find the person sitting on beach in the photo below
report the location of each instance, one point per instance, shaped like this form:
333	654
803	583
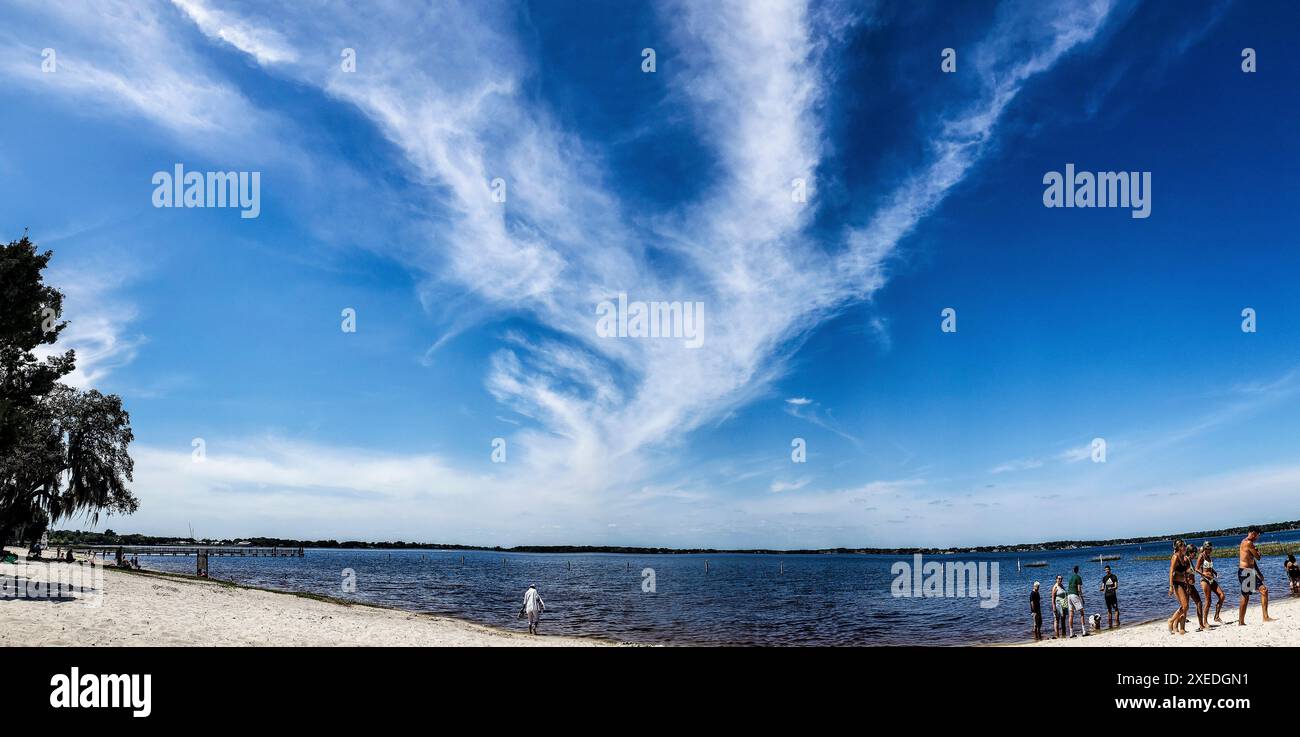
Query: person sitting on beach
1035	608
1249	577
1059	607
1293	573
533	608
1209	579
1110	587
1075	589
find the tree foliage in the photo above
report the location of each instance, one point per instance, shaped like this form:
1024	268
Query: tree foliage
63	451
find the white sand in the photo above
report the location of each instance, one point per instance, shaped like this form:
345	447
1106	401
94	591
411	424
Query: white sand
1284	632
140	609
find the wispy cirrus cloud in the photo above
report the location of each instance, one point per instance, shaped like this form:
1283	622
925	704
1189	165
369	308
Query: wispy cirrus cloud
101	318
753	80
264	43
810	411
1026	40
1021	465
1075	454
779	486
125	59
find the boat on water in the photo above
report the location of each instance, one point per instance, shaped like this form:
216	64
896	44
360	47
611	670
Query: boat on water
1037	564
1102	558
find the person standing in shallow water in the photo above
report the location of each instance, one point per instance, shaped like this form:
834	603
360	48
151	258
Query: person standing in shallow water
1110	587
1292	572
1075	591
533	608
1059	607
1036	609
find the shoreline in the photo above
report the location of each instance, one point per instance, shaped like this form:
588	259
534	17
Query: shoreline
156	608
164	608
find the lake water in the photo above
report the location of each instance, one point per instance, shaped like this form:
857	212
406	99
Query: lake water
740	600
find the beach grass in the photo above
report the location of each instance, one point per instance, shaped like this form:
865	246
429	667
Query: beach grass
1226	552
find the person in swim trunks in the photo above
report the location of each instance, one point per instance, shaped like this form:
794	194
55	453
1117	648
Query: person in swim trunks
1075	590
1209	580
1293	573
1249	577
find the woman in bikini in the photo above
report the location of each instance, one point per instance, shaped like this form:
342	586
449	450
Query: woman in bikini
1202	612
1209	580
1178	587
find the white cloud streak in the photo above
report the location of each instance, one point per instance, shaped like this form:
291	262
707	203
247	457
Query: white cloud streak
754	83
449	93
125	58
99	320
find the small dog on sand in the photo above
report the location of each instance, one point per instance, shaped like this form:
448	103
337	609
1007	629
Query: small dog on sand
1096	622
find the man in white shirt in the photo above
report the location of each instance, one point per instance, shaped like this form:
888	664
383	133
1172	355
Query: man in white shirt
533	607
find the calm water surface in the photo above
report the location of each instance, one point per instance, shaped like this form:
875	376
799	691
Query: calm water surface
741	600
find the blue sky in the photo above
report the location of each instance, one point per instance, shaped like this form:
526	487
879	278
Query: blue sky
476	319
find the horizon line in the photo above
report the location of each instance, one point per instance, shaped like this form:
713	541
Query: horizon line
1265	528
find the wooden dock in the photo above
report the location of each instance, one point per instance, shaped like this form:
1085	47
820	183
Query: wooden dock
210	550
122	554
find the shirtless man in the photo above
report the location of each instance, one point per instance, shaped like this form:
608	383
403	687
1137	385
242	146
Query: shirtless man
1249	577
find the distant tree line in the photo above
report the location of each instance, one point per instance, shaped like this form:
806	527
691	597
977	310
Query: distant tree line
108	537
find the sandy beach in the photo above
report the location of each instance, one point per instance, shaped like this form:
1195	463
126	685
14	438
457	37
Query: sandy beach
1284	632
144	609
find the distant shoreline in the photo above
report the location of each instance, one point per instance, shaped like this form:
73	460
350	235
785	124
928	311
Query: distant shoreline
65	538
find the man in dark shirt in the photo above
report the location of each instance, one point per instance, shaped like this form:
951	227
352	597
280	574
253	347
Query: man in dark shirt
1110	587
1035	608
